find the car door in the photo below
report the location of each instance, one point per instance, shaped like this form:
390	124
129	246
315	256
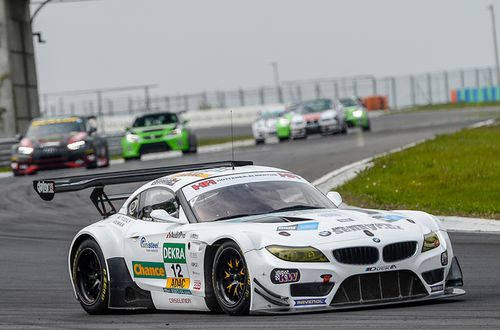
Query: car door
145	240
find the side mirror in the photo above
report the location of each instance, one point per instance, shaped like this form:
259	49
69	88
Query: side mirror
184	121
92	129
163	216
19	136
335	198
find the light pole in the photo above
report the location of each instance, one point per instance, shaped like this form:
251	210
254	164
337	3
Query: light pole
274	64
495	45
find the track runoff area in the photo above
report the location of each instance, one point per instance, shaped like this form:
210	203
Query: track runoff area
36	287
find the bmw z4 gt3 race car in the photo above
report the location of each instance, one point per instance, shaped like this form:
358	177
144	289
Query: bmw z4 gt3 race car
238	238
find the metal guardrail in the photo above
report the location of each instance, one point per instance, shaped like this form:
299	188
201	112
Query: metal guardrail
6	145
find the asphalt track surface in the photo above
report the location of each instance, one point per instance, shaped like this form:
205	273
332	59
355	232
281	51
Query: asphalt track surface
35	235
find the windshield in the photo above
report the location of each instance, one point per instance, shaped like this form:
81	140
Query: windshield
158	119
272	114
254	198
348	102
314	106
54	127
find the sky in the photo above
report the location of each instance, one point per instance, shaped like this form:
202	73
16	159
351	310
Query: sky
196	45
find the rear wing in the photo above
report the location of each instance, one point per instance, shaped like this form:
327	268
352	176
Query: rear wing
47	188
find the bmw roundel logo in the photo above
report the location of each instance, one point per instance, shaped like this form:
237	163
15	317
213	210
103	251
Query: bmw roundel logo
376	240
325	233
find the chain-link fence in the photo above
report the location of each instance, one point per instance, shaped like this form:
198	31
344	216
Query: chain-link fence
402	91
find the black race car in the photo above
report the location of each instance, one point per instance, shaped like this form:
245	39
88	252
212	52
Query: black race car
59	142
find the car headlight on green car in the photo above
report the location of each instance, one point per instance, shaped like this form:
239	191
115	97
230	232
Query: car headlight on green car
431	241
297	253
357	113
176	131
131	138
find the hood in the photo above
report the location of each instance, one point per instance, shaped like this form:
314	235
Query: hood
317	227
153	129
351	109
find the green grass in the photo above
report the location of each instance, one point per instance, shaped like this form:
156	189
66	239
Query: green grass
454	174
5	169
450	106
217	140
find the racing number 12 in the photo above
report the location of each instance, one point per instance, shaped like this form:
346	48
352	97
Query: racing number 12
177	270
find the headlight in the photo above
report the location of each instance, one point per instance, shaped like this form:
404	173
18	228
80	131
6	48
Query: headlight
431	241
176	131
76	145
297	121
284	122
297	254
357	113
25	150
131	137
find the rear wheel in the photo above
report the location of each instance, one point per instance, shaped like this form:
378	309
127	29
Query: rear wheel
231	280
90	278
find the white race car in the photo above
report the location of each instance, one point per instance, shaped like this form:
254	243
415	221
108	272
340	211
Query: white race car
233	237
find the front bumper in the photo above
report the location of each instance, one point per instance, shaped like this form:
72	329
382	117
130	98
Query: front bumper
330	126
51	158
340	286
157	144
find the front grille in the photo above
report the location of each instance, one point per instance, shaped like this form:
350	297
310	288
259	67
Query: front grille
313	289
154	147
379	287
360	255
399	251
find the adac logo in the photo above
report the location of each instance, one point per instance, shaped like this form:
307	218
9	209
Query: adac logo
178	283
149	245
148	270
174	253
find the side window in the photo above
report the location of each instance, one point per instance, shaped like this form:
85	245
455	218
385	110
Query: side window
157	198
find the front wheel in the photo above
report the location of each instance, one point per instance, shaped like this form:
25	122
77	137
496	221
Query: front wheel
90	277
231	280
193	145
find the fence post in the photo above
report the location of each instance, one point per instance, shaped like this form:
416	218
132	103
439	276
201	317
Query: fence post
355	87
261	95
490	77
146	98
242	97
462	78
167	103
130	105
413	94
186	103
446	87
318	91
299	93
46	104
110	107
336	88
429	88
61	106
99	111
476	76
72	109
395	102
374	86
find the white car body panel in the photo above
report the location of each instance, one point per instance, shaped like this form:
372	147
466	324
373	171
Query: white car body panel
177	247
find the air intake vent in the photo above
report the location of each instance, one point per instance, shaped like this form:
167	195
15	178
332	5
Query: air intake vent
360	255
381	287
399	251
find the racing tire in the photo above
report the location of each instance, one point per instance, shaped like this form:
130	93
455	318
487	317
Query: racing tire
283	139
231	280
90	277
16	173
367	127
106	156
92	164
260	141
343	130
193	145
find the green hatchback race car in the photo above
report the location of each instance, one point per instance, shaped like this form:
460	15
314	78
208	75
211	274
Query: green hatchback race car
157	132
355	114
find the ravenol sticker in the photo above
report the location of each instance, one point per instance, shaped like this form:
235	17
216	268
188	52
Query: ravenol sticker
310	302
176	291
302	226
174	253
148	270
178	283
